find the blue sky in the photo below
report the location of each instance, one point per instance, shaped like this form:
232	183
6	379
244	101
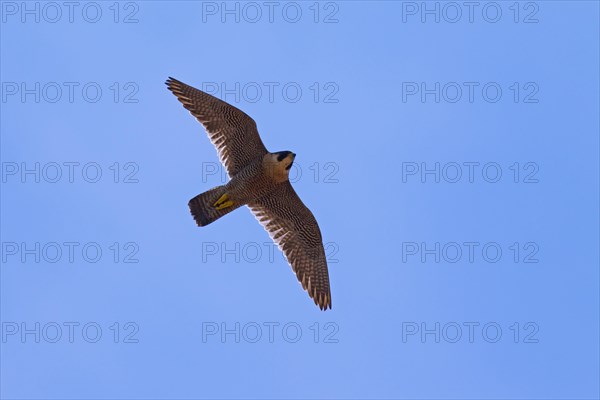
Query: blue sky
449	153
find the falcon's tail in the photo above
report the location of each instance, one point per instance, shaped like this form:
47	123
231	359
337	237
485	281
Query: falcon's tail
211	205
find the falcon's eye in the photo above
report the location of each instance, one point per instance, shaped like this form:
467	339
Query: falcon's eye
281	155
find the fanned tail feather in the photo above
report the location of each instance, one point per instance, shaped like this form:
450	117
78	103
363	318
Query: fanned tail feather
202	209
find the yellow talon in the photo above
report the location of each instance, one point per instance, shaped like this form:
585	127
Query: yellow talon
223	202
225	205
222	199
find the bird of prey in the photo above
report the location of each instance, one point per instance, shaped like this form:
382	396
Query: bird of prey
259	180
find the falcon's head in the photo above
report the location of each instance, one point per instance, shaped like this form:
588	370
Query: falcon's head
278	164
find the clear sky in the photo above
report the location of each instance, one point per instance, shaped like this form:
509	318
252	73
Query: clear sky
449	152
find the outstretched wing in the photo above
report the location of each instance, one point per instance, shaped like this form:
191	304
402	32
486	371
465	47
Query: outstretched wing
294	229
230	130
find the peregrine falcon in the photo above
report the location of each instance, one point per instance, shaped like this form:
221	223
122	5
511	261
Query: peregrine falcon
259	180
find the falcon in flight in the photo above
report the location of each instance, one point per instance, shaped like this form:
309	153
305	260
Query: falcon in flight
259	179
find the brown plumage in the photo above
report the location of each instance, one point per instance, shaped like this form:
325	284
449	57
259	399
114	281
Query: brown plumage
259	179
